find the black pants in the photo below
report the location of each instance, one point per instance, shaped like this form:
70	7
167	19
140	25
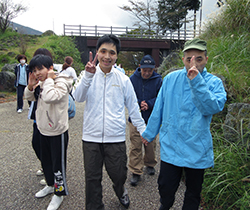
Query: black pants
113	155
53	159
36	141
20	91
168	183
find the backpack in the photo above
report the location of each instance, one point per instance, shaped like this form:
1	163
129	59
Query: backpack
72	107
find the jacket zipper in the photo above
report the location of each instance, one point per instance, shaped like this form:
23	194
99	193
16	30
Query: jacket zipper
104	107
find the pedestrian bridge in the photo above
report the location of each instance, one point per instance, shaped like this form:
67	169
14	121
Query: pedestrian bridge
132	39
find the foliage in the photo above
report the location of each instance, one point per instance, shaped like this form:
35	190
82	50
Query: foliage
227	35
172	62
145	13
62	46
227	185
130	60
9	11
232	18
170	14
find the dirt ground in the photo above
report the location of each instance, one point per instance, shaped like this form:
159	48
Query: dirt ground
7	97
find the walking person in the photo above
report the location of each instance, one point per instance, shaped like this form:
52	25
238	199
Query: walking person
182	115
106	91
22	75
52	122
147	84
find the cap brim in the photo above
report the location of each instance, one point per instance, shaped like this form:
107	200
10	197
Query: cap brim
147	66
195	47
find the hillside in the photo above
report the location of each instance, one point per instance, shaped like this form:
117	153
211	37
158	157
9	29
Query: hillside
24	29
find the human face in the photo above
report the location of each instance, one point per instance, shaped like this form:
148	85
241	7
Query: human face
107	56
146	73
41	74
200	59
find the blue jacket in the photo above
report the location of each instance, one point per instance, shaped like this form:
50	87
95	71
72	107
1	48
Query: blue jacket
182	114
146	90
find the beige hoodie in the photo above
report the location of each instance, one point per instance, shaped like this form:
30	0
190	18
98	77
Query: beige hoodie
52	105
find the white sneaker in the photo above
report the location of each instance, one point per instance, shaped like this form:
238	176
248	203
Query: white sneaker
43	182
19	111
39	172
55	202
45	191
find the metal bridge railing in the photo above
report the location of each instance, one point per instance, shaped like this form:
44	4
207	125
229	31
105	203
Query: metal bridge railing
97	31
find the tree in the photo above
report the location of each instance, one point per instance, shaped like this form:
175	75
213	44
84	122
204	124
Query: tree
170	14
9	11
193	5
145	14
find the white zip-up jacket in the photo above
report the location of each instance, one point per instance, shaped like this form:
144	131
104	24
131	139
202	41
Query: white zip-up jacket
106	96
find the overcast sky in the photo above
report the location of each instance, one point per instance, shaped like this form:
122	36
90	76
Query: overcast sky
52	14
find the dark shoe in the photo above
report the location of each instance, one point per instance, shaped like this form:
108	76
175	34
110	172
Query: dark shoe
124	200
150	170
135	179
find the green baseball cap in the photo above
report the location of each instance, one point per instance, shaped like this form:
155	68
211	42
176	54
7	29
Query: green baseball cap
195	43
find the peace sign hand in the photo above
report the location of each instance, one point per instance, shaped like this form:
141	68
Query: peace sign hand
91	65
193	71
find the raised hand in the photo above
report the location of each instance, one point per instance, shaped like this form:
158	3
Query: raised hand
193	71
51	74
91	65
32	81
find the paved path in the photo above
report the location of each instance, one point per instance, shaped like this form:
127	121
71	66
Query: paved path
19	183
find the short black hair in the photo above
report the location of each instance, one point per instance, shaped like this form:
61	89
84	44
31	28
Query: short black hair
43	51
40	61
109	38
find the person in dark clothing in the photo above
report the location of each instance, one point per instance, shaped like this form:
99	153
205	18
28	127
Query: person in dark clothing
147	84
22	76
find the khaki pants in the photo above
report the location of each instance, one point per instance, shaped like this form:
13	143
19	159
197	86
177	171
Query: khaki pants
136	161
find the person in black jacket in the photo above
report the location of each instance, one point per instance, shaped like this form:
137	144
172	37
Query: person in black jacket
22	76
147	84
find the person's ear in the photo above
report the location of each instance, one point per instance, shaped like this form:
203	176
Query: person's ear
51	68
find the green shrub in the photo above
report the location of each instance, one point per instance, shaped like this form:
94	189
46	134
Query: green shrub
62	46
227	185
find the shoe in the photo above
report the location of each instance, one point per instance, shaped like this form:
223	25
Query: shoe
124	200
39	172
135	179
19	111
150	170
43	182
55	202
45	191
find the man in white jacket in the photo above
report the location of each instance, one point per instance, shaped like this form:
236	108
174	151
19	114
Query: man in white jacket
106	91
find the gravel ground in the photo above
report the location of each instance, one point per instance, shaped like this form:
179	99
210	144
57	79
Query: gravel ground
19	183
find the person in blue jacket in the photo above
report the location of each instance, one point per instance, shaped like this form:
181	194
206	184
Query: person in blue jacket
182	115
147	84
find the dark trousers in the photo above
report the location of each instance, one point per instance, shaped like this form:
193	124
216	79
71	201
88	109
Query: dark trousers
113	156
53	159
20	91
168	183
36	141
